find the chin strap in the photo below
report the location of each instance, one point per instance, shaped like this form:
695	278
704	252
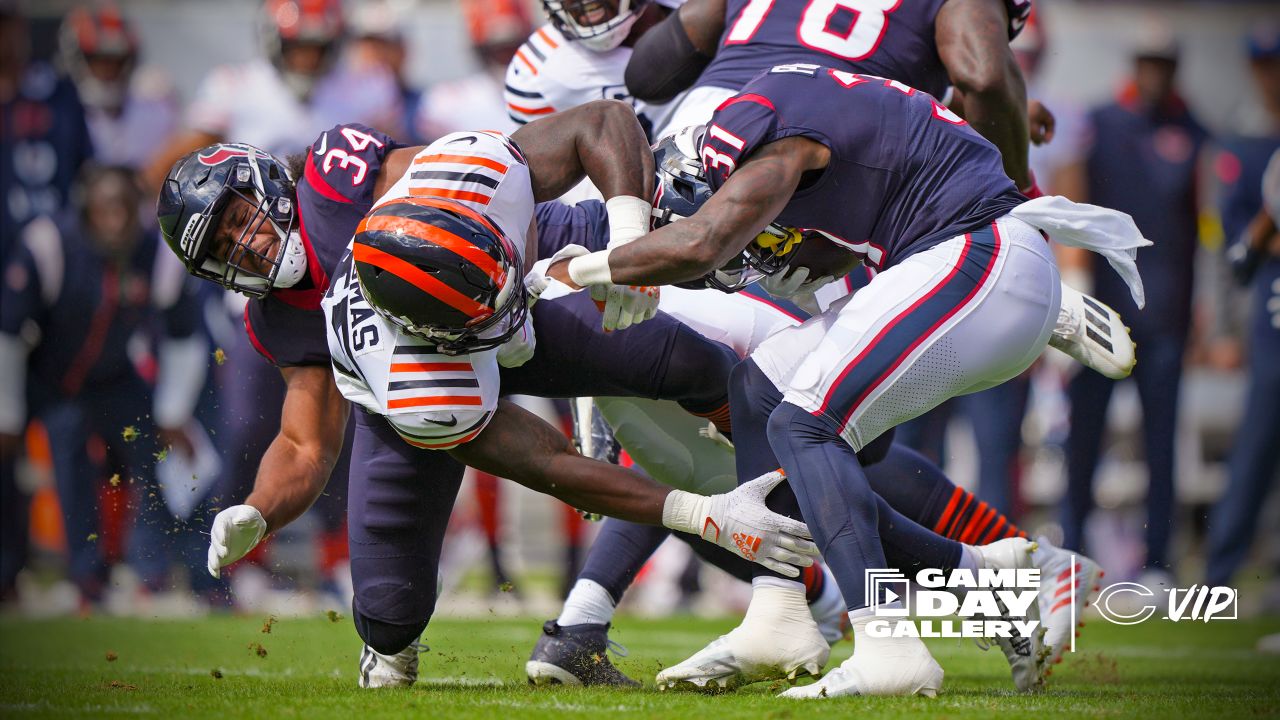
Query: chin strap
293	263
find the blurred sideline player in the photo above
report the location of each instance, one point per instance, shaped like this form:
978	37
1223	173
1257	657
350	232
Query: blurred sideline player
77	288
297	88
845	372
956	49
288	269
495	28
378	38
131	111
1249	166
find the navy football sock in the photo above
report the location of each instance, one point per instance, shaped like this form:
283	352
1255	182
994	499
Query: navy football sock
854	528
618	553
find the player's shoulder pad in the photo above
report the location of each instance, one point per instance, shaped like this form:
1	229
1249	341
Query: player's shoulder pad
525	91
344	161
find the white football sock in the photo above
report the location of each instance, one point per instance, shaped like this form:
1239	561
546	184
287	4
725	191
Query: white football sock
588	603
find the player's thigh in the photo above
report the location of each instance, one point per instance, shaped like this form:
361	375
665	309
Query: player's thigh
666	442
575	357
398	506
963	316
738	320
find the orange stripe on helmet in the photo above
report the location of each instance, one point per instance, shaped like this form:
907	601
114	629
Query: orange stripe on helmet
462	159
421	280
450	206
438	236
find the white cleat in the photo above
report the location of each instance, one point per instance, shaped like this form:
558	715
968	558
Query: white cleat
1094	335
777	639
883	666
1056	598
390	671
1027	654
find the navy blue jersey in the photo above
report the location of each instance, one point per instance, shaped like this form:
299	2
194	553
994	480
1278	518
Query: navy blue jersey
334	194
1145	163
890	38
905	172
43	142
585	224
86	307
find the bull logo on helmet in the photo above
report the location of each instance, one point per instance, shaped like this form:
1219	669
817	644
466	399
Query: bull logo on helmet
222	154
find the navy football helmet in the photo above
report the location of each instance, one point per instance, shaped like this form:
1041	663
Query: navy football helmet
681	189
442	272
201	187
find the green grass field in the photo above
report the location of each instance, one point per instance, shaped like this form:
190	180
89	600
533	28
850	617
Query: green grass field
228	667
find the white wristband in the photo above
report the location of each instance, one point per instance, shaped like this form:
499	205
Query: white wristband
628	218
592	269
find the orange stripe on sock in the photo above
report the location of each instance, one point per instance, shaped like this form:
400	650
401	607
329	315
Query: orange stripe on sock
946	514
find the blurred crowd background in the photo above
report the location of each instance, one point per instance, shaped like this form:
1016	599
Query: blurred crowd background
133	407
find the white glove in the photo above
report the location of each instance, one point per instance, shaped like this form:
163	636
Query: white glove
739	522
519	349
795	285
538	284
626	305
236	531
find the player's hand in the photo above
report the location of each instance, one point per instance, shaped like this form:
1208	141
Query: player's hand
795	285
1040	122
519	349
538	281
626	305
236	531
739	522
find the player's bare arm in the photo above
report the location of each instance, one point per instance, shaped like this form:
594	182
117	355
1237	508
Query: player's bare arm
749	200
973	42
668	59
521	446
296	466
601	140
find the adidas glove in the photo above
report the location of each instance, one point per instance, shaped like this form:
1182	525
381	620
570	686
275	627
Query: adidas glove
739	522
236	531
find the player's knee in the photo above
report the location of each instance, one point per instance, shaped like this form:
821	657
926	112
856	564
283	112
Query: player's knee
384	637
790	424
877	449
698	372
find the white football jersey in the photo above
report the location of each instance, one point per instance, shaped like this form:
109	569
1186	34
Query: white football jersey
432	400
550	73
250	103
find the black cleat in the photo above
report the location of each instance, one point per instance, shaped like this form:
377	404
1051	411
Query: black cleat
575	655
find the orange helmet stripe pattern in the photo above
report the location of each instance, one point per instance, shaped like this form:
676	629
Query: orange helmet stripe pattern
430	233
421	280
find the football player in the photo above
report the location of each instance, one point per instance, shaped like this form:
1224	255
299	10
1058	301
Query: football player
953	49
235	217
965	297
580	56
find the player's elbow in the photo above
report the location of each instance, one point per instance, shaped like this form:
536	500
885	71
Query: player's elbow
989	81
